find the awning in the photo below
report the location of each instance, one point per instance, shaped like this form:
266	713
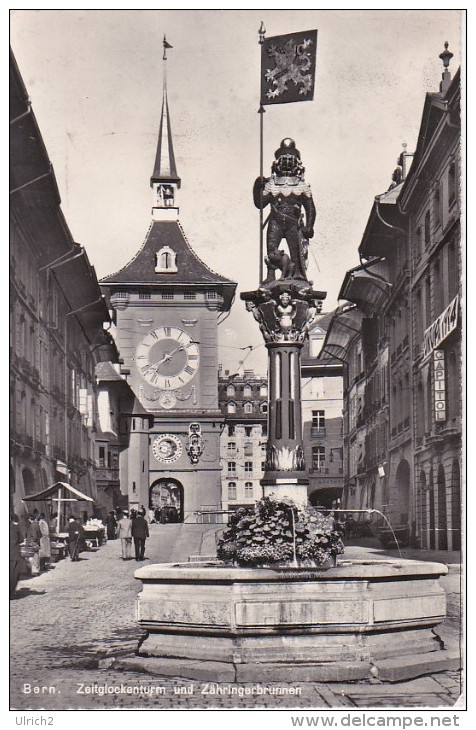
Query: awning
365	290
344	327
74	495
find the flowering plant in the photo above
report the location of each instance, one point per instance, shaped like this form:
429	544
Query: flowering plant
277	531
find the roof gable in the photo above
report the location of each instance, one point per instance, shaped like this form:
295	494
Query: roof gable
141	269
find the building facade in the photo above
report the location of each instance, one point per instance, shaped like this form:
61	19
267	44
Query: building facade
322	416
399	336
167	304
56	325
243	402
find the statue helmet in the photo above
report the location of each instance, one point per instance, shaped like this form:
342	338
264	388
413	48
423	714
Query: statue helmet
287	159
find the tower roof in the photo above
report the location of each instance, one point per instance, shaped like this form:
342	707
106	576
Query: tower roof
165	169
191	270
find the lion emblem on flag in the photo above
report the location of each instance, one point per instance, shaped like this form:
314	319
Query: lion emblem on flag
293	62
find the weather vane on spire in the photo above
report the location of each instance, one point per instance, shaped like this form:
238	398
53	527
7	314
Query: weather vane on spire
165	45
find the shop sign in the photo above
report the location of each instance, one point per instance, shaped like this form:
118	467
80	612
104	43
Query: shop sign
440	385
441	327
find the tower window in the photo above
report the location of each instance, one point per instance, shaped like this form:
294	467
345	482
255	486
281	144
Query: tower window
166	261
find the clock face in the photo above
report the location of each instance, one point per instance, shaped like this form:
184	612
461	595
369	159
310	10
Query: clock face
167	448
167	358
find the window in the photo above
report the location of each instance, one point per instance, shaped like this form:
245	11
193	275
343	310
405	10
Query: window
144	295
248	467
231	490
232	446
102	456
248	407
452	183
232	467
230	391
427	228
248	430
231	430
264	408
249	449
247	391
210	295
119	294
263	391
318	425
231	407
189	295
437	207
318	457
167	295
249	490
263	466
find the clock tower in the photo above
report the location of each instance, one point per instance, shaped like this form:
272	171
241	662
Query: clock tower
167	304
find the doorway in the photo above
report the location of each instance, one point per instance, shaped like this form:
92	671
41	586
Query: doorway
166	497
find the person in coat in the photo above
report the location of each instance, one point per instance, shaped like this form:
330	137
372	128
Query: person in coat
111	525
124	532
45	545
140	532
33	535
15	554
75	538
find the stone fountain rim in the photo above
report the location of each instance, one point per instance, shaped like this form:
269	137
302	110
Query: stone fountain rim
346	569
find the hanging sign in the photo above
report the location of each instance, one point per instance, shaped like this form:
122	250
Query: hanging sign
440	385
441	327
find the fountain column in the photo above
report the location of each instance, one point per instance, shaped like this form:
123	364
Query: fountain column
284	310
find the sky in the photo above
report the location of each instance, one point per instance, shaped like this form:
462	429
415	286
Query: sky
95	82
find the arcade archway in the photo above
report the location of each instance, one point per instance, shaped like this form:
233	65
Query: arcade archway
166	495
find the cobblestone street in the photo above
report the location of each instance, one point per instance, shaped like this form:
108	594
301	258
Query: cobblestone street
69	622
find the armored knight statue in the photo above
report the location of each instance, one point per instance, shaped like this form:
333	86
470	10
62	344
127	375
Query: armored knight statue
287	193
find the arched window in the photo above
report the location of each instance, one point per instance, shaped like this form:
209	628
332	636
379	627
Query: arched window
247	391
231	407
249	490
231	490
230	391
248	407
166	261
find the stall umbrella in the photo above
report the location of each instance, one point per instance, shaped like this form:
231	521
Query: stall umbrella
65	492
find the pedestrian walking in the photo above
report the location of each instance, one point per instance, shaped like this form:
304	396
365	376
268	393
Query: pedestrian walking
75	538
111	526
45	544
151	516
32	541
140	532
15	554
124	532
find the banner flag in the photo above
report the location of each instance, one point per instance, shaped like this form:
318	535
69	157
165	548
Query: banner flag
288	67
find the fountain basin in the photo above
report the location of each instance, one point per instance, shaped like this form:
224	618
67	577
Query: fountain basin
358	620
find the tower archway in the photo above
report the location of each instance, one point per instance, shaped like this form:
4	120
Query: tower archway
166	494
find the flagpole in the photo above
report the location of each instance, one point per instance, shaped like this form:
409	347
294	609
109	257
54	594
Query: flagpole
261	111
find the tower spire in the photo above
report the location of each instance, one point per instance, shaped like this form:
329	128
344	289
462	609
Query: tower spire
165	181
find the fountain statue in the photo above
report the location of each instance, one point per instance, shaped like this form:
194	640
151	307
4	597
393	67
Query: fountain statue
273	607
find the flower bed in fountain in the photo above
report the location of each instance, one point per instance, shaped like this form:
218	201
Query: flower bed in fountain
277	532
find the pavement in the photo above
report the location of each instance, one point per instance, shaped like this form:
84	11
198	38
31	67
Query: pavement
69	624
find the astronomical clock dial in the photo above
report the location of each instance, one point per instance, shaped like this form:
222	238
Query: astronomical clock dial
167	358
167	448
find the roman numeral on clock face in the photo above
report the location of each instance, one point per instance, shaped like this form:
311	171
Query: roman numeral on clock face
189	370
